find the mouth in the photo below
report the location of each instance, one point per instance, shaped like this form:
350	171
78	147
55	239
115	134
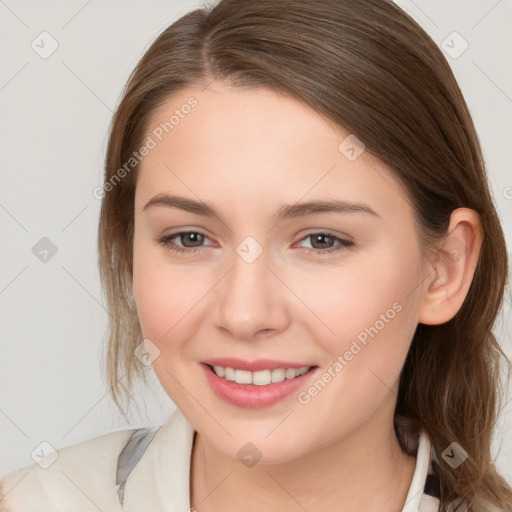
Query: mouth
258	389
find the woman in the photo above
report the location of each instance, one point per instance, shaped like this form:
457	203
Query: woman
356	372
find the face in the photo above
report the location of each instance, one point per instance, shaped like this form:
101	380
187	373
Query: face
254	275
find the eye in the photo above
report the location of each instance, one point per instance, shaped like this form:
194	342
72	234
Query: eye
322	243
191	240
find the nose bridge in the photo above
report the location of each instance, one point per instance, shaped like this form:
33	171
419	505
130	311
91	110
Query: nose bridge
250	301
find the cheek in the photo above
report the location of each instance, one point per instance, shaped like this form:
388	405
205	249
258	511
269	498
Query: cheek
373	316
156	292
369	311
167	296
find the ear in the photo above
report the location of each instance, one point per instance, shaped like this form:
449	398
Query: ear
453	268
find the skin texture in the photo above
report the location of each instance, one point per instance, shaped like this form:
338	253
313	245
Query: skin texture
247	152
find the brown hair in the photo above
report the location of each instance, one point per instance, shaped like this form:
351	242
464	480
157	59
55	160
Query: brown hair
368	67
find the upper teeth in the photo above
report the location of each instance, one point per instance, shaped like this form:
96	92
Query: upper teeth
260	378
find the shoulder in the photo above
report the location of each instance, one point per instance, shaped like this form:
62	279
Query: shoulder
80	477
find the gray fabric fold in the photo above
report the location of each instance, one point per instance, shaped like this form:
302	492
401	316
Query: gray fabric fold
131	454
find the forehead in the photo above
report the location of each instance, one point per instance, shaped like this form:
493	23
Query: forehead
255	146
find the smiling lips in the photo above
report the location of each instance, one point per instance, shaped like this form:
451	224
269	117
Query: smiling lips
254	384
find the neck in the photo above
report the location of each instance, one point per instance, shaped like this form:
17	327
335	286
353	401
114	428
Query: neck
360	472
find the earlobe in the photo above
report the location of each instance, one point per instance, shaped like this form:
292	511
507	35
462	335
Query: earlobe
453	268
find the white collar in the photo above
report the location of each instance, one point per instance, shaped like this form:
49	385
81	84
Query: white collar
415	494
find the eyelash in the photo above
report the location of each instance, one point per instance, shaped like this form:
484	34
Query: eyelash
167	243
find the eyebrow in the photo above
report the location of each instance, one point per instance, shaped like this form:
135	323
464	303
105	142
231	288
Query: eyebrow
285	212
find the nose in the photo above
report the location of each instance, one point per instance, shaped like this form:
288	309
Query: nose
251	301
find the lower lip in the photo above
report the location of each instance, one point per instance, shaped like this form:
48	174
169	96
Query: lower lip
251	396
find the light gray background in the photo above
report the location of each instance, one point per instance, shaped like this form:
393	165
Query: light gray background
54	119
